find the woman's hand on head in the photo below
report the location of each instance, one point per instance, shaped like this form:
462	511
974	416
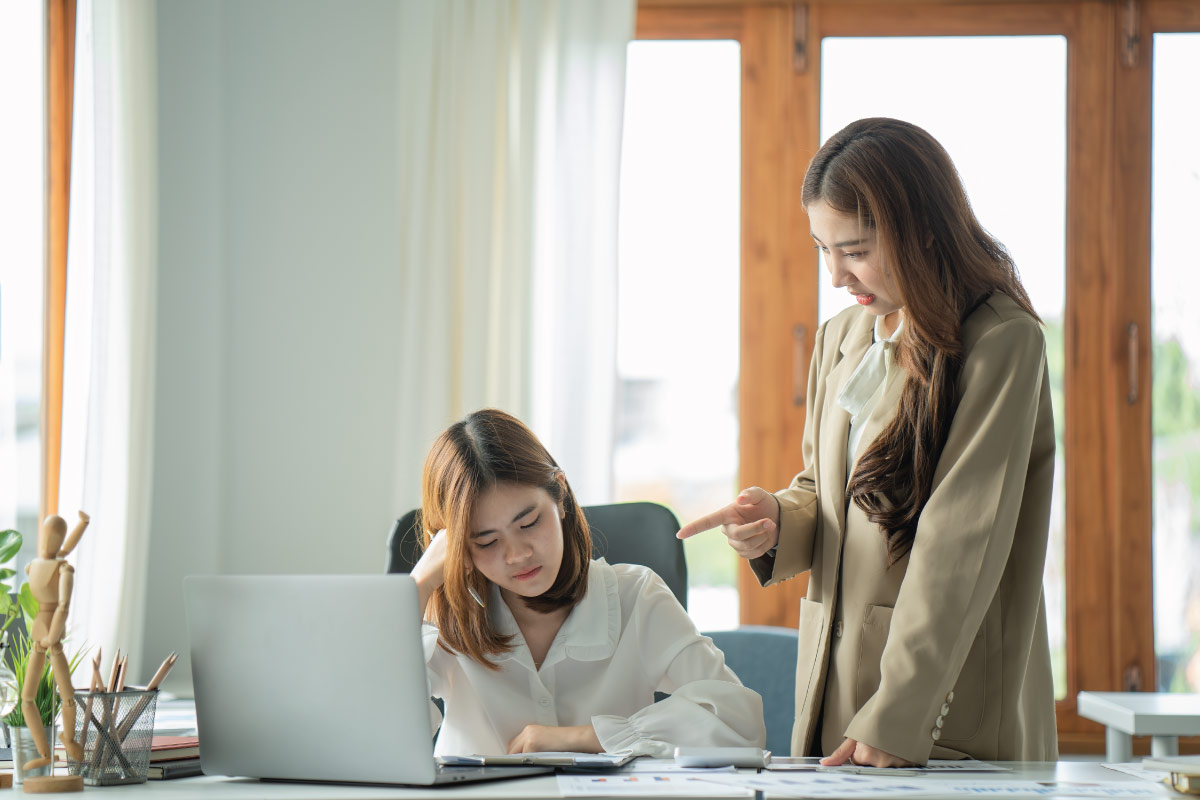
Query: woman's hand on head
430	570
750	523
542	738
862	755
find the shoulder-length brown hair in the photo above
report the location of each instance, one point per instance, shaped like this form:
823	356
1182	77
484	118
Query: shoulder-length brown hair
900	182
487	448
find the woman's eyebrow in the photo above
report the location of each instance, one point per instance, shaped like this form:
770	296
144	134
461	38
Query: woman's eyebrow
847	243
525	512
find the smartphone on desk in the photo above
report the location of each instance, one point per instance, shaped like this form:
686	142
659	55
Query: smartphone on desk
722	757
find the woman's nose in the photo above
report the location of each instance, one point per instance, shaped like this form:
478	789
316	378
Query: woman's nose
517	551
839	275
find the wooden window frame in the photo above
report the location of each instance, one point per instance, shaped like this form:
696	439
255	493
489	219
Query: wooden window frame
1110	645
60	88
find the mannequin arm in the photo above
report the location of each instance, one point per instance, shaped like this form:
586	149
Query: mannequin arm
75	535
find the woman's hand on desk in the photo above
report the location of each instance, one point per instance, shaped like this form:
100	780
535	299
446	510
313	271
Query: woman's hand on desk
429	571
750	523
542	738
863	755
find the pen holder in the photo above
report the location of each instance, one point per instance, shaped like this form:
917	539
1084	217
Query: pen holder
116	730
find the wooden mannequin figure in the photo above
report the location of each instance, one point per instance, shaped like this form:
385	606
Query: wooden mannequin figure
51	580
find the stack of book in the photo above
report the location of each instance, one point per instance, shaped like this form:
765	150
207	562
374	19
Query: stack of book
174	757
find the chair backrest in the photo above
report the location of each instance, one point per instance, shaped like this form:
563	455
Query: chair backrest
764	657
625	533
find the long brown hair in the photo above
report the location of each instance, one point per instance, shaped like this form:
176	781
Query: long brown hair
487	448
900	182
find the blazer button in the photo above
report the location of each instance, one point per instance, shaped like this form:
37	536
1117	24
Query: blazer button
945	709
950	696
936	733
837	629
939	721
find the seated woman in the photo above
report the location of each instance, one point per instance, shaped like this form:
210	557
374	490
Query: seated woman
531	644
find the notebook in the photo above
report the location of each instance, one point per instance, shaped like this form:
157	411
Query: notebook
315	678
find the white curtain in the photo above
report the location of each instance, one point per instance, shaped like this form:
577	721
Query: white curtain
108	378
509	160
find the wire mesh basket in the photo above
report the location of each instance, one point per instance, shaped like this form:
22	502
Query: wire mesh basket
116	730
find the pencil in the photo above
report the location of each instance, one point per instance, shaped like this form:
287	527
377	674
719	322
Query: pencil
112	675
121	674
167	663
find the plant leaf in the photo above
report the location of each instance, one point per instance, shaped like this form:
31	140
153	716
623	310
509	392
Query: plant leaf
10	544
5	574
5	601
29	603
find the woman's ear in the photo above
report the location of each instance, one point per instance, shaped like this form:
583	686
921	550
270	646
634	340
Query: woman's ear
561	477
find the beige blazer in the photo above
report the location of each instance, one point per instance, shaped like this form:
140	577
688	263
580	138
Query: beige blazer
945	653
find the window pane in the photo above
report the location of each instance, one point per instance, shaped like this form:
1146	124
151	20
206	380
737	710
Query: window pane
22	234
1175	284
677	352
998	105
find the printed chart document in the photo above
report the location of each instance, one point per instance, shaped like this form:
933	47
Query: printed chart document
841	785
640	784
813	763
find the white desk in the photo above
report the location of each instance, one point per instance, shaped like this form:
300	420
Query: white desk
535	788
1162	716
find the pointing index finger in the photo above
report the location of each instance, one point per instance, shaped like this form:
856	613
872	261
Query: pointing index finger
705	523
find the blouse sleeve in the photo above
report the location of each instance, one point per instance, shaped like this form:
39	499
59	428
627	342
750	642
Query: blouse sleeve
964	538
708	705
434	667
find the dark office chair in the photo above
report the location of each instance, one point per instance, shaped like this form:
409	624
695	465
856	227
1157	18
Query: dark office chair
764	657
626	533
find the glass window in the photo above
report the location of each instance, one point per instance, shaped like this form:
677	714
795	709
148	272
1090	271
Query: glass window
22	257
1175	284
998	105
677	352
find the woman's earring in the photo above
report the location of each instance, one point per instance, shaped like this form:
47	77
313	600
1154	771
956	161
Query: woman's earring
475	596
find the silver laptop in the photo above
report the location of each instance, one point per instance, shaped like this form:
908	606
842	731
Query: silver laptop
315	678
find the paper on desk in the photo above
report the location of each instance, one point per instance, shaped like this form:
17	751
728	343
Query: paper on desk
826	784
1136	769
790	764
661	766
619	784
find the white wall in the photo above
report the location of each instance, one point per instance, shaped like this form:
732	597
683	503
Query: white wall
279	278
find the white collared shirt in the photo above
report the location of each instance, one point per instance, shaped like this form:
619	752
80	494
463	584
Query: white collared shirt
863	391
626	639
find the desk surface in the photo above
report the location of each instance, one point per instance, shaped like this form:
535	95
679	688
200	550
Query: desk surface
1143	713
218	788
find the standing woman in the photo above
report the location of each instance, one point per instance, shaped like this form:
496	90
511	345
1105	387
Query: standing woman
923	508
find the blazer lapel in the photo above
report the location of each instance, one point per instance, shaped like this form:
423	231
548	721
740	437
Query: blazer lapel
835	421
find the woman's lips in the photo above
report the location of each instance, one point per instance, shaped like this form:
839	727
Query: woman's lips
524	576
864	299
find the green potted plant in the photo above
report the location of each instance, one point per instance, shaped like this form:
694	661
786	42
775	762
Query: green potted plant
10	545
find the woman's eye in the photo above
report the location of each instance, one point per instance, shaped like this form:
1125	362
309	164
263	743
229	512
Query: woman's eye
485	545
854	255
530	525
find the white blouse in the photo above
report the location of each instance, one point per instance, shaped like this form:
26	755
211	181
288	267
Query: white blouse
626	639
865	388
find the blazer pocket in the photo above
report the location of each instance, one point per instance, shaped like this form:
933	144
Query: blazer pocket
966	711
877	621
